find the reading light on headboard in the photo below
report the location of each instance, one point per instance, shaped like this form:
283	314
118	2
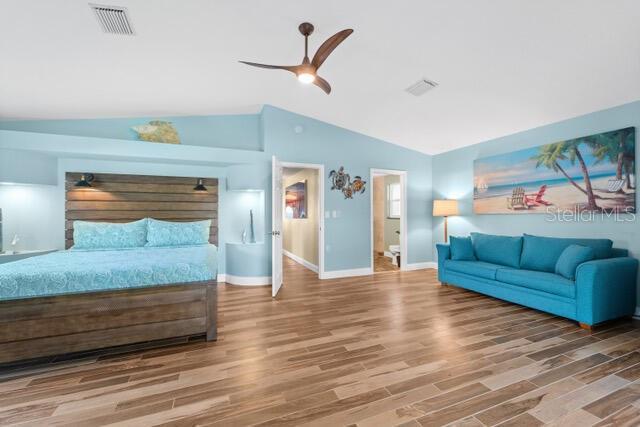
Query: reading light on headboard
200	185
85	180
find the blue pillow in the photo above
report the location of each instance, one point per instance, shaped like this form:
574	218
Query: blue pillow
109	235
461	249
571	258
542	253
165	233
502	250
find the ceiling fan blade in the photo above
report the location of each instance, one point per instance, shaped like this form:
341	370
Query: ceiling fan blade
328	46
292	68
322	84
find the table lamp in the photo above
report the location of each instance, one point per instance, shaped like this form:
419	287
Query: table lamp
445	208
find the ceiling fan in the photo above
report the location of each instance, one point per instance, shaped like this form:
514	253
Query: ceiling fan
307	72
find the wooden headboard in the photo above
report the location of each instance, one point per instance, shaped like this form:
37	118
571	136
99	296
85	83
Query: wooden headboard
124	198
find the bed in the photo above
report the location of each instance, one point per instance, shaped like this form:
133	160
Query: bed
84	300
81	271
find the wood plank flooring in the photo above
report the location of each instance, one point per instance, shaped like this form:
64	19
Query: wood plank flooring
382	263
394	349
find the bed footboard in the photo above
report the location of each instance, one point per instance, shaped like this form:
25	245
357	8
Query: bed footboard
46	326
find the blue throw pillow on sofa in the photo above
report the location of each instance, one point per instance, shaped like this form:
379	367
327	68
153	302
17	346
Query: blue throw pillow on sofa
571	258
541	253
503	250
461	249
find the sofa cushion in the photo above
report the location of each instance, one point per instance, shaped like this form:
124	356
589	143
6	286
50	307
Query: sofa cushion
571	258
503	250
461	249
473	268
539	280
542	253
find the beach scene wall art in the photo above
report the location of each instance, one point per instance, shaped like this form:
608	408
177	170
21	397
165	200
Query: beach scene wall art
295	198
595	173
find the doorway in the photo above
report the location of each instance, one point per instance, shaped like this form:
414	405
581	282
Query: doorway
388	220
299	225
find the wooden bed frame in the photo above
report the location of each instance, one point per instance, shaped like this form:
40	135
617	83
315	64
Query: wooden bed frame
34	328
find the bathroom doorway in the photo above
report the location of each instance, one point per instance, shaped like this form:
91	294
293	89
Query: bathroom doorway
388	220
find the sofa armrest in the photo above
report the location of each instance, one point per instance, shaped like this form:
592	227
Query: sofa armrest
444	253
606	289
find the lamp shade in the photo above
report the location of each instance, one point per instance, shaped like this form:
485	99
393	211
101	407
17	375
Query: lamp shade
445	207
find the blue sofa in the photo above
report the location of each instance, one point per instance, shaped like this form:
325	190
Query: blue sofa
521	270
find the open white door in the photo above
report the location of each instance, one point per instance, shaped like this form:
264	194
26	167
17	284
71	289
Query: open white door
276	228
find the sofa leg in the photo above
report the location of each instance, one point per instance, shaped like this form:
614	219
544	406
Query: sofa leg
585	326
443	283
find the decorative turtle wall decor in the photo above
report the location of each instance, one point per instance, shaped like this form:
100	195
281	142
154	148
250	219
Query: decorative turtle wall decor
341	181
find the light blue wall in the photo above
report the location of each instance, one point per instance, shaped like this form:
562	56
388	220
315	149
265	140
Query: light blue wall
241	132
107	146
248	260
348	237
27	167
453	178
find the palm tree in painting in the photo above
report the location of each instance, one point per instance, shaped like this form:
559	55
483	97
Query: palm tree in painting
575	154
627	156
629	167
618	148
550	156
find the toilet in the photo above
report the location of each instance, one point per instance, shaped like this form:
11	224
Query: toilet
395	252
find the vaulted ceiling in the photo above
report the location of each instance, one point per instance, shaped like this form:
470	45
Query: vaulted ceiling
502	65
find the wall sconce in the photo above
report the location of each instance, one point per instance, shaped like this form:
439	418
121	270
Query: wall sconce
200	185
85	180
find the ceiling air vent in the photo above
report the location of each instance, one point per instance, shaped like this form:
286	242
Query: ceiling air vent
113	19
421	87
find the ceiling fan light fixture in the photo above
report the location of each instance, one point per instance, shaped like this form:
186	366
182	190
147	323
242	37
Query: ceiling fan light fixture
306	78
307	71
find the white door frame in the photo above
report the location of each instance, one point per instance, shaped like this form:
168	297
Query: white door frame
320	207
404	252
276	226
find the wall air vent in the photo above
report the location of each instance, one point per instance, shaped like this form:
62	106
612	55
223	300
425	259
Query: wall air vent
421	87
113	19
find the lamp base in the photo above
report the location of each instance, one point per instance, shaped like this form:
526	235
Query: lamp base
446	234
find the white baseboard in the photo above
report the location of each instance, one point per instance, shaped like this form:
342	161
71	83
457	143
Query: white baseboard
421	265
303	262
336	274
244	280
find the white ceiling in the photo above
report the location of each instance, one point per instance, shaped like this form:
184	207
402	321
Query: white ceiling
503	65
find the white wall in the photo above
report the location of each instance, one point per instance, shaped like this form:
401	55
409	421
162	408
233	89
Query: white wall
391	225
238	204
379	213
28	210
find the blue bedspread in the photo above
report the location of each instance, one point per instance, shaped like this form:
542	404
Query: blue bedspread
85	271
